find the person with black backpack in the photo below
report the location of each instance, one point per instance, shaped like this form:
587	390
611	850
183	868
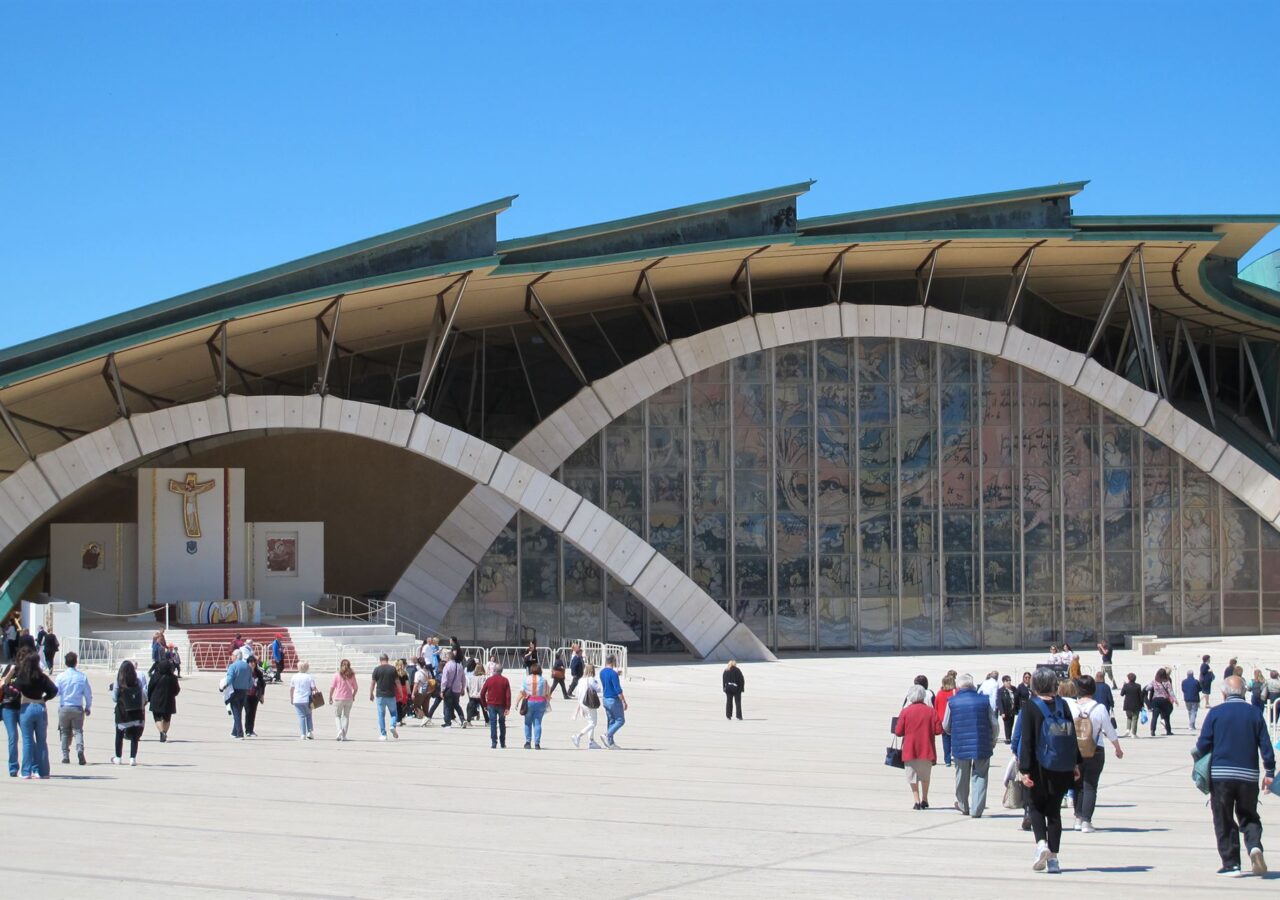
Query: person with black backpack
129	691
1049	762
589	709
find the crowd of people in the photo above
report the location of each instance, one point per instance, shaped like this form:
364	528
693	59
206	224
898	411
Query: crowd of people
1058	722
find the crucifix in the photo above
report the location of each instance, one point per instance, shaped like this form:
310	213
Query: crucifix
190	489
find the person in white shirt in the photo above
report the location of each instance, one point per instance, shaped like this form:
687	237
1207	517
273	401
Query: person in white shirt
1086	790
991	689
591	693
301	687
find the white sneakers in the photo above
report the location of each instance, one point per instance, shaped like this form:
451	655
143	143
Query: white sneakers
395	734
1042	856
382	737
1258	861
577	740
1054	868
115	760
133	760
1087	827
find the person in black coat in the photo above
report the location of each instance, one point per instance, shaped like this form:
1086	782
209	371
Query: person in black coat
162	695
1131	695
734	685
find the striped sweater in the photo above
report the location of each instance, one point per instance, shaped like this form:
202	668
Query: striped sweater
1236	734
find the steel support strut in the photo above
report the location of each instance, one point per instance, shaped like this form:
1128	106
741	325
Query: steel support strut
1021	269
328	337
924	280
1194	359
1258	386
111	375
434	349
837	266
12	427
650	309
550	331
744	269
1113	294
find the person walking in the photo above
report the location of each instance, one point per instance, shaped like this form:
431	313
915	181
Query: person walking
530	656
1007	706
403	690
256	697
239	679
301	687
11	641
11	708
51	646
969	721
1048	760
75	702
577	666
129	692
475	685
496	696
1093	751
382	693
557	677
1102	693
535	698
1191	697
162	695
342	693
946	690
425	687
1160	693
1104	648
1206	680
158	647
453	684
589	709
1131	702
734	683
614	700
1236	734
917	725
276	653
35	689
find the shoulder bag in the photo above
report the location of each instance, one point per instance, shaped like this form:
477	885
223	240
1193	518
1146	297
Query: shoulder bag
893	755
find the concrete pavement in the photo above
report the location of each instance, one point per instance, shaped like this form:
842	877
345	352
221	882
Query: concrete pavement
795	799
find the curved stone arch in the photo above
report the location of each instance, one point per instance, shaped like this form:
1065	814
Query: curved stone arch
708	632
474	521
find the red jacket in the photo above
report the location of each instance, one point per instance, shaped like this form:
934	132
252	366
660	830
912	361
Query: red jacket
917	724
940	703
496	692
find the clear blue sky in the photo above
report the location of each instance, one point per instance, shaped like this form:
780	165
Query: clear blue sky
153	148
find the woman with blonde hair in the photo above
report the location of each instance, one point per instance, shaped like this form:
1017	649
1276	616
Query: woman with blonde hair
342	692
301	687
535	696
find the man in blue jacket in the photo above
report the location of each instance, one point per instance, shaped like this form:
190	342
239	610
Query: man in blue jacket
971	722
1236	734
239	679
1191	697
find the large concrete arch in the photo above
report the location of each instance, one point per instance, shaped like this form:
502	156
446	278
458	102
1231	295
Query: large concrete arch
481	515
708	632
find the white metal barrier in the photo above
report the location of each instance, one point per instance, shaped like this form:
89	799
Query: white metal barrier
93	653
215	656
512	658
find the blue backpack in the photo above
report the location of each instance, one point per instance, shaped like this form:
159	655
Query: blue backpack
1056	748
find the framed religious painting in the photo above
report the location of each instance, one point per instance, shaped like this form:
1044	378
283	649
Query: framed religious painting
282	554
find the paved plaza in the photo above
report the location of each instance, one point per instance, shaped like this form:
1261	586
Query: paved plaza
793	800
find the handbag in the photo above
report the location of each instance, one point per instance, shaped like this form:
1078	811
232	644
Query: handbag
893	756
524	706
1014	794
317	699
1143	718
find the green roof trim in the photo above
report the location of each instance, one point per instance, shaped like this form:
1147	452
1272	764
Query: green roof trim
1173	220
1066	189
928	237
270	304
1260	291
1153	237
666	215
173	303
1265	319
608	259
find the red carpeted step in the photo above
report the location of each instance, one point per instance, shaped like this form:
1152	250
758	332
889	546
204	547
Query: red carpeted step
211	647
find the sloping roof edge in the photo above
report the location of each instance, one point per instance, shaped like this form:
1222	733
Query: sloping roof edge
1066	189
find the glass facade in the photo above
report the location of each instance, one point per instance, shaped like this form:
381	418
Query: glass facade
889	494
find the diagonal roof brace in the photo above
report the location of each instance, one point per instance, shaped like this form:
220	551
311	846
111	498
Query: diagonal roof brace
111	375
550	332
326	340
1194	359
1117	284
435	347
652	312
1019	280
924	280
1258	386
744	268
12	427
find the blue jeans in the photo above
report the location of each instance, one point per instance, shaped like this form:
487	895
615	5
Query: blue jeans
11	728
533	722
497	726
617	717
386	707
946	749
304	718
34	722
